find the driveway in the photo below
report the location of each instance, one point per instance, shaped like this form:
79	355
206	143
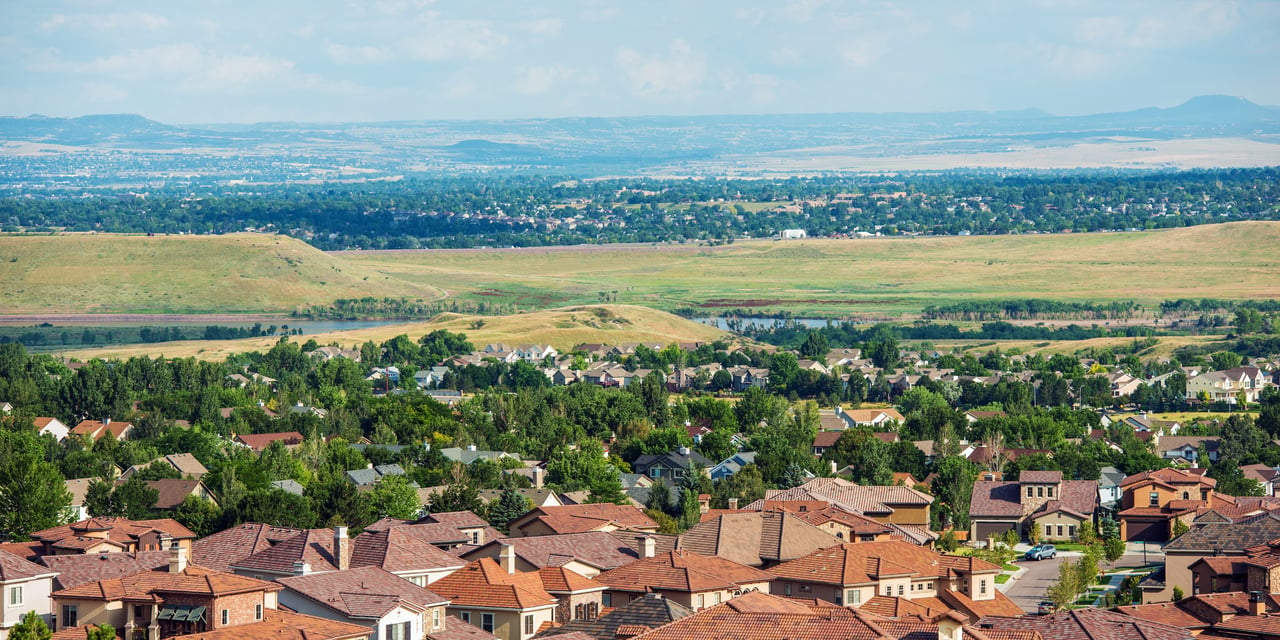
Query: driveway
1028	590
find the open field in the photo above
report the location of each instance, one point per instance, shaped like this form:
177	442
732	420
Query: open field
561	328
875	276
1165	347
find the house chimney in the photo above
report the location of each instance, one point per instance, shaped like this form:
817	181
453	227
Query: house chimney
471	447
507	557
833	467
1257	603
648	546
106	421
539	477
301	568
684	451
733	503
341	548
177	558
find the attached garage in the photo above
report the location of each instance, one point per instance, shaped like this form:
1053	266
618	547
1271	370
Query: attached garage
1146	529
992	528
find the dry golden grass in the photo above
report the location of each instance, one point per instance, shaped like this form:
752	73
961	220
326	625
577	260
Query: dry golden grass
561	328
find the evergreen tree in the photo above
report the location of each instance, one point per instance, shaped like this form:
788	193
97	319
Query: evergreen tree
32	627
510	506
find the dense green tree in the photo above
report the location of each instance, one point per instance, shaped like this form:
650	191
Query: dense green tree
199	515
33	494
953	488
274	507
456	497
31	627
510	505
394	497
338	498
747	485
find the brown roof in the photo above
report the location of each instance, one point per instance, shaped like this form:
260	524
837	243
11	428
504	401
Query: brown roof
120	530
755	538
1168	477
866	562
171	492
996	499
222	549
827	438
998	605
145	586
460	519
1040	476
579	518
858	524
77	569
456	629
363	592
398	549
260	441
559	580
682	571
284	625
78	633
596	548
850	496
484	583
15	568
641	614
95	428
312	546
25	550
1165	613
1089	624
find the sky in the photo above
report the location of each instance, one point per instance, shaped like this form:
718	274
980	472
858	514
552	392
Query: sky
216	61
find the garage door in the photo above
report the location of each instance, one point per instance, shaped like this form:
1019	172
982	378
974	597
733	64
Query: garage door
989	529
1147	530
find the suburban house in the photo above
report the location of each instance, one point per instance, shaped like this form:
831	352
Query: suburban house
52	426
639	615
184	463
471	454
1225	386
588	554
395	549
108	534
853	573
1152	500
1264	475
469	524
755	538
171	492
368	596
671	465
825	440
870	417
510	604
580	518
76	570
846	526
94	429
1093	624
689	579
258	442
903	507
1236	614
25	586
732	465
220	550
1042	499
1186	448
1223	544
1109	486
370	475
182	599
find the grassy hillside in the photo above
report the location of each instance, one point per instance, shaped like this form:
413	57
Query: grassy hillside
81	273
878	276
561	328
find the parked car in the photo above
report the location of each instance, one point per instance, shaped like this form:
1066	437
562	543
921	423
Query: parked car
1044	608
1041	551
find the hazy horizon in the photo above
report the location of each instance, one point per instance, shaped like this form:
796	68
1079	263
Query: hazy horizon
236	62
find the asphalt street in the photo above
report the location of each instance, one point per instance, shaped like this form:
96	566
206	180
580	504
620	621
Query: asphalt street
1028	590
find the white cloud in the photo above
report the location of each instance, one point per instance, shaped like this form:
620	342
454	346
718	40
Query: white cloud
1174	26
187	67
134	20
536	80
444	39
546	27
345	55
681	71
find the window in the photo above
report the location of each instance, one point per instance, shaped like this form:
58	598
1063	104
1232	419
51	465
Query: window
853	596
607	599
1059	531
655	472
786	589
718	597
1039	492
398	631
257	611
15	596
1050	490
466	616
69	617
486	622
1029	492
1071	531
226	617
1186	495
888	590
528	625
1048	530
701	601
421	581
1155	498
435	618
900	589
982	587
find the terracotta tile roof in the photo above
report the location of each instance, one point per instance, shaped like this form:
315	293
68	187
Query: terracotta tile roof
998	605
866	562
484	583
1165	613
78	633
649	612
755	538
312	546
1169	477
1089	624
580	518
996	498
77	569
436	533
284	625
1228	537
1255	626
596	548
25	550
95	428
222	549
364	592
260	441
558	580
858	524
13	567
120	530
148	585
849	496
456	629
681	571
895	607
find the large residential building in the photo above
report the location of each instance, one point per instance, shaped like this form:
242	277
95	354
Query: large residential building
1056	508
853	573
510	604
1152	501
24	586
108	534
1215	554
1226	386
392	608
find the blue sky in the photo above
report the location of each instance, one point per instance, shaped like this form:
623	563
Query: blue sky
314	60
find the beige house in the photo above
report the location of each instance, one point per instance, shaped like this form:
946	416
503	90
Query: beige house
24	586
510	604
685	578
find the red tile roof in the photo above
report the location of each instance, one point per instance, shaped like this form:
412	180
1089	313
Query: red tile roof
455	629
284	625
146	586
220	550
120	530
682	571
483	583
866	562
1168	477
